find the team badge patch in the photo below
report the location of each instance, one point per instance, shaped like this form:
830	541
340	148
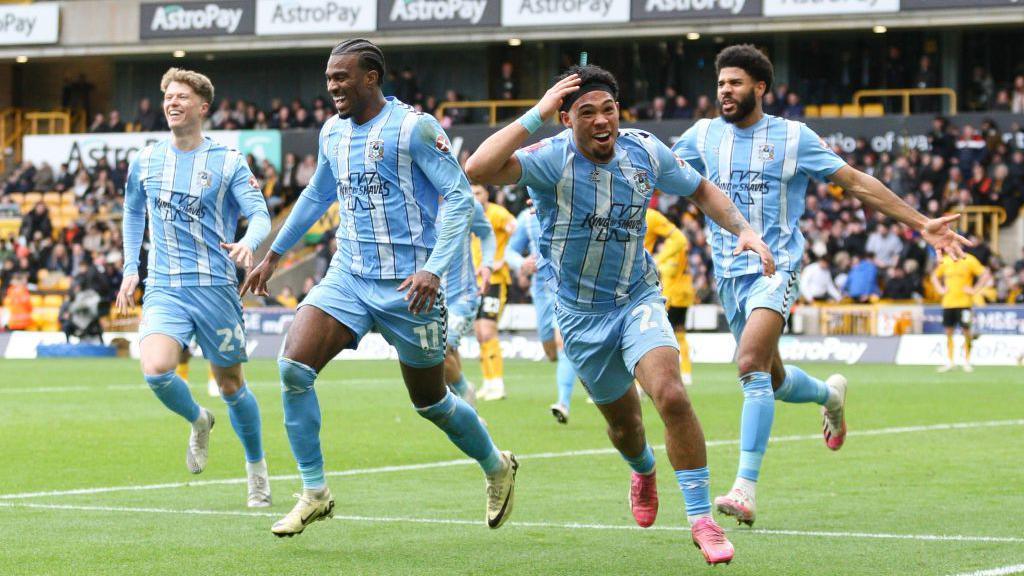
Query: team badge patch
204	178
595	176
441	143
766	152
376	153
642	183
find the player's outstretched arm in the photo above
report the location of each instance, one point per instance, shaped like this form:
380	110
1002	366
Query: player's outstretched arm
720	208
246	191
494	161
133	226
311	205
870	191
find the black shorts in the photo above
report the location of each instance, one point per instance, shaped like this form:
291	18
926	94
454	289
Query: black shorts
493	303
953	317
677	316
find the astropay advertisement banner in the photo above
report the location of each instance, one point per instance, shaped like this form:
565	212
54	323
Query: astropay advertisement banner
183	19
284	17
825	7
86	149
563	12
408	14
29	23
659	9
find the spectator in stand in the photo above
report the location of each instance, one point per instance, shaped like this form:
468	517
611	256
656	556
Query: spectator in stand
981	89
941	139
37	220
681	109
114	122
44	179
704	108
770	104
971	148
885	245
1017	99
146	117
793	109
936	172
219	118
953	186
862	282
287	298
307	287
1002	101
284	119
261	122
980	186
817	285
64	179
304	172
60	260
99	123
508	89
657	110
453	116
102	186
898	286
18	304
303	119
925	77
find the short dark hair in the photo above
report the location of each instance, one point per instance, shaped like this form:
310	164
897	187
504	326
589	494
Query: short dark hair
370	55
749	59
589	74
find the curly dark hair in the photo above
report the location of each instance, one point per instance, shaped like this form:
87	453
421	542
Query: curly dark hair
749	59
589	74
370	56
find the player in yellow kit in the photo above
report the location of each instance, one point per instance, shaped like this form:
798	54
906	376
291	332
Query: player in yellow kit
958	282
677	284
493	302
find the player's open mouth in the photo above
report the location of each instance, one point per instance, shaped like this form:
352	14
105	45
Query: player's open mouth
603	137
174	114
339	100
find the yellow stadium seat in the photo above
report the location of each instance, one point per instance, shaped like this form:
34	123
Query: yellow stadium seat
63	283
54	300
46	319
37	300
17	198
52	198
873	110
811	111
32	198
67	199
829	111
851	111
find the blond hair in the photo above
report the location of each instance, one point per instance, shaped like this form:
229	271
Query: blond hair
198	82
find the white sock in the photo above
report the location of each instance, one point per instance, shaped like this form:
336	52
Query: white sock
749	487
693	519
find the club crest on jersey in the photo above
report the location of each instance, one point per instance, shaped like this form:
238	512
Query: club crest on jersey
441	143
376	153
204	178
642	183
766	152
595	176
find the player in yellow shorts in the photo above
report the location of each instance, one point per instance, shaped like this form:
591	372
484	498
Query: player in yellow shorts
677	284
492	304
958	282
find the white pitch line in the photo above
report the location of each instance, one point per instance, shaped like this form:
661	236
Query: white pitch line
550	525
466	461
1015	569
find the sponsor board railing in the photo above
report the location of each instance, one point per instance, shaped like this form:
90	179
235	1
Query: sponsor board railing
705	348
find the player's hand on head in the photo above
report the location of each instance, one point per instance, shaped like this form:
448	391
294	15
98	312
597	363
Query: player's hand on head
551	102
257	278
944	239
239	252
420	290
126	294
750	240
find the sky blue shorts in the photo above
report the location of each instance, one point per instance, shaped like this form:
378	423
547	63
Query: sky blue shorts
362	304
462	310
741	295
605	347
213	314
544	303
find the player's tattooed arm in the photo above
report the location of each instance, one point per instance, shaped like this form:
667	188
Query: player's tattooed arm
871	191
720	208
494	161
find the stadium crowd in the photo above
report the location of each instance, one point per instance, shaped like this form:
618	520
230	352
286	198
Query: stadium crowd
852	254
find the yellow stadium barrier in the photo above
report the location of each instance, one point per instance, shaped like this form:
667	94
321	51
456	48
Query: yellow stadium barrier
906	94
490	105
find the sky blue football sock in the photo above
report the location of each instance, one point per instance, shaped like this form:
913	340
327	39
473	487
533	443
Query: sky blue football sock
799	388
460	422
695	485
302	420
174	393
755	422
244	412
642	464
565	375
460	386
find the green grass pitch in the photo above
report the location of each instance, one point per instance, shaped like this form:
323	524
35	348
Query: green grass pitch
906	495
